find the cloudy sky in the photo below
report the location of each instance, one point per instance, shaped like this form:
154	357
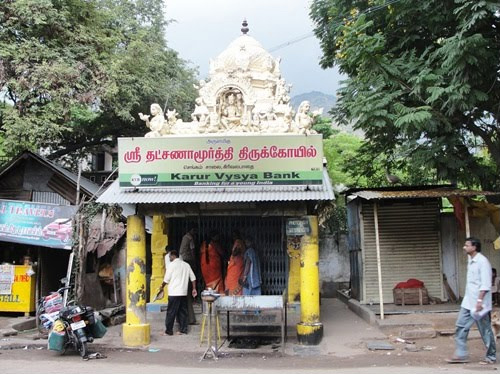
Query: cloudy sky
202	29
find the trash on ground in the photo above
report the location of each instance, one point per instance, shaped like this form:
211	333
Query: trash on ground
379	346
428	348
401	340
153	350
93	356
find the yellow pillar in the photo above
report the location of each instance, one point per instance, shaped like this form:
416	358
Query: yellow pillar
136	331
293	247
310	329
159	241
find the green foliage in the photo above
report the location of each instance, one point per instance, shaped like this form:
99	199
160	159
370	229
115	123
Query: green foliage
423	84
340	150
324	126
77	72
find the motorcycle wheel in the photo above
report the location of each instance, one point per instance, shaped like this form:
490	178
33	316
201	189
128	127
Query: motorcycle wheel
82	349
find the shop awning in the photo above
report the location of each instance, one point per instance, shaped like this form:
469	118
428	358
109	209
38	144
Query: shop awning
423	192
116	195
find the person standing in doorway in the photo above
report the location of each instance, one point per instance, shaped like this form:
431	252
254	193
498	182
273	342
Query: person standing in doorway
251	275
476	305
187	254
177	276
211	257
235	267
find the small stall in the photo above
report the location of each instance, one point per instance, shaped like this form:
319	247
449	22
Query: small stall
17	288
37	206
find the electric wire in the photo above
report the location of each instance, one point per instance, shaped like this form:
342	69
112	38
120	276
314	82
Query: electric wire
335	23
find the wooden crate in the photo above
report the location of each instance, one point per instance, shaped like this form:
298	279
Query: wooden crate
410	296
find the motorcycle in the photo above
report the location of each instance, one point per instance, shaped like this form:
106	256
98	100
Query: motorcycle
77	325
68	326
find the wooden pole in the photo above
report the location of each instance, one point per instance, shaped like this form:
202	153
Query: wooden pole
467	223
76	225
379	265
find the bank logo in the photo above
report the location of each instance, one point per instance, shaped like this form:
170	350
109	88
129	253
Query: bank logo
135	180
144	180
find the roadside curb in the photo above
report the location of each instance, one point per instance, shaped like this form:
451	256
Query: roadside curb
364	313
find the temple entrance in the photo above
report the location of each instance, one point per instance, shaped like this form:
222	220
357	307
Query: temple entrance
268	234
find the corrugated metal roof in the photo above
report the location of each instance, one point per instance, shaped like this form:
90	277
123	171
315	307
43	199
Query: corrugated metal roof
416	193
116	195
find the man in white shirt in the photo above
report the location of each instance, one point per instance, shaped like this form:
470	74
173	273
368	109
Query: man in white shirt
188	254
476	305
178	276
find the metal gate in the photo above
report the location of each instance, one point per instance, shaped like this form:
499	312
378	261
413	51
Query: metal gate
268	234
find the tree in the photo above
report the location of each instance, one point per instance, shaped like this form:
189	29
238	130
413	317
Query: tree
424	82
77	72
323	126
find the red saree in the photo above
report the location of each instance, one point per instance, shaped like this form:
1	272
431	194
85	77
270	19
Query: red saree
235	269
211	267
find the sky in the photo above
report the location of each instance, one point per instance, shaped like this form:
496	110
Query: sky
202	29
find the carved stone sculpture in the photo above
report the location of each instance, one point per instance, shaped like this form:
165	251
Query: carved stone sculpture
304	120
157	124
244	93
200	113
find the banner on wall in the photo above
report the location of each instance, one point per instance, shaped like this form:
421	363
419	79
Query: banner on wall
220	161
46	225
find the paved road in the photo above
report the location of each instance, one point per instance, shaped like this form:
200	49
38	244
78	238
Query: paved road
24	361
343	350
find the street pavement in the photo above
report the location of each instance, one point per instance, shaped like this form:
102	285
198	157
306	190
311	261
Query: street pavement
345	347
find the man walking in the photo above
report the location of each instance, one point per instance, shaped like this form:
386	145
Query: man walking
476	305
178	276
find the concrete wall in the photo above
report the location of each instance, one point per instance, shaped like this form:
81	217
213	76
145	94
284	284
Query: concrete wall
334	269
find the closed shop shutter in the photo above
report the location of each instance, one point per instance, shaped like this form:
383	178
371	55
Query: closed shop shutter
409	247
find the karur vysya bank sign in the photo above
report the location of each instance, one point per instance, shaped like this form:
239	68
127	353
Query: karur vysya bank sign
220	161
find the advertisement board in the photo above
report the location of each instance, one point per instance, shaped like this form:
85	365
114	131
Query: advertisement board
220	161
46	225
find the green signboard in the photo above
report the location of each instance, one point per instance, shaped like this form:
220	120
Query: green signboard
220	161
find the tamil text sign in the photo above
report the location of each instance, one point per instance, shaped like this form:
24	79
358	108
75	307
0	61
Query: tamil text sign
220	161
46	225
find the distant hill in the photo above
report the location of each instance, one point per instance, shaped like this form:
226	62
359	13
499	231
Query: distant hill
317	100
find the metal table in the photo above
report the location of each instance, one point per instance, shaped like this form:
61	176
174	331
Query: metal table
261	303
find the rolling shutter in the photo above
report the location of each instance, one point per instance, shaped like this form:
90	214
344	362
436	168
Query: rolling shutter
409	247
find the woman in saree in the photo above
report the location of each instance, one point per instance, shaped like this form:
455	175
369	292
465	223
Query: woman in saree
235	267
211	256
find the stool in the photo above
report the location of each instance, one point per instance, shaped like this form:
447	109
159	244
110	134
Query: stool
210	312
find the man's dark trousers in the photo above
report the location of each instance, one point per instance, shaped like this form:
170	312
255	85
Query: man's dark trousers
177	307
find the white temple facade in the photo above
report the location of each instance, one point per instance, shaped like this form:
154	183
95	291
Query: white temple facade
244	94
